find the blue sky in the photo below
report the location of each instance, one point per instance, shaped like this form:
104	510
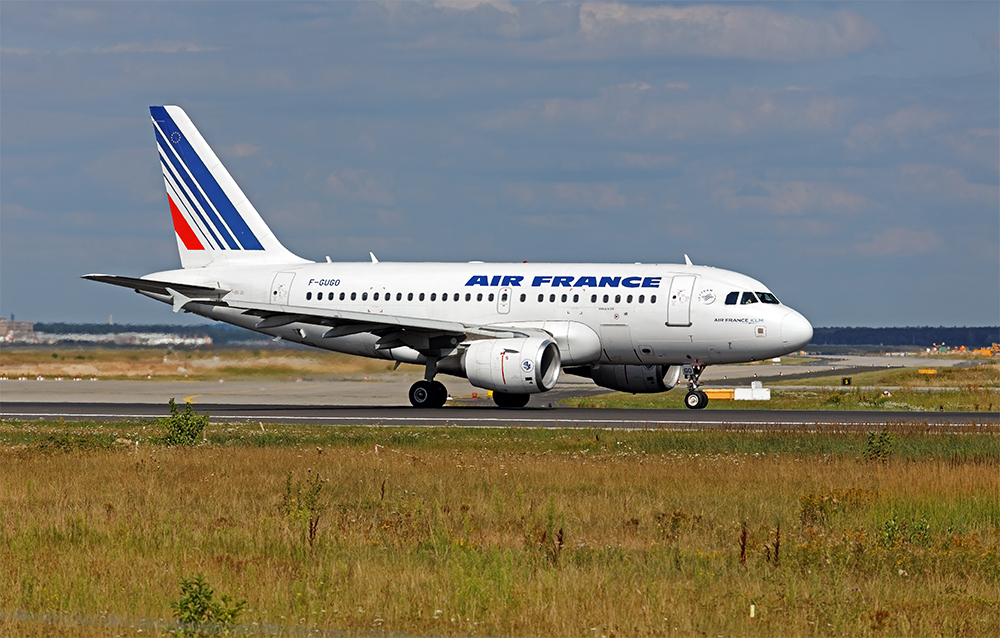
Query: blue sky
846	154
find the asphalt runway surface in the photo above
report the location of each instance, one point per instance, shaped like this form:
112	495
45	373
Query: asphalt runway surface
487	416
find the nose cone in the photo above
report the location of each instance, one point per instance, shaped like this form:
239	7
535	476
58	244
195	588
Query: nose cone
796	331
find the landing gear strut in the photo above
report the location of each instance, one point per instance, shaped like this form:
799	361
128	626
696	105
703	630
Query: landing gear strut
695	399
428	393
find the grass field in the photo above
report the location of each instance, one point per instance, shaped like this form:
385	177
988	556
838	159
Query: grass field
965	389
445	531
193	365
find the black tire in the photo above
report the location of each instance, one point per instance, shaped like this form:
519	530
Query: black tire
424	395
440	394
507	400
695	400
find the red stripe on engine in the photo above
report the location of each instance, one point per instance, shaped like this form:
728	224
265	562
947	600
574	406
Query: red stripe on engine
182	228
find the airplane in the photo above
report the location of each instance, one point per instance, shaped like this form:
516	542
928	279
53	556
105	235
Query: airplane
510	328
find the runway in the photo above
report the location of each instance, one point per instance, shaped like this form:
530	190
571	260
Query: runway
540	417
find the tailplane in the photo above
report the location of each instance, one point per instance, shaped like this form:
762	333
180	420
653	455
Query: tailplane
214	221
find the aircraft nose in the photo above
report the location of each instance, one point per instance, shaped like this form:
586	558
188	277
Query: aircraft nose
796	331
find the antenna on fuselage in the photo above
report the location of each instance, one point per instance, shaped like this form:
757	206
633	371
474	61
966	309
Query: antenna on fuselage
374	258
687	260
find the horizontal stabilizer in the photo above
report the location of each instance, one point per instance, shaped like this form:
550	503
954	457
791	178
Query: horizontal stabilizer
168	288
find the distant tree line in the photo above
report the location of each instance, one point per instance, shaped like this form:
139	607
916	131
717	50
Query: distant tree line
220	333
923	337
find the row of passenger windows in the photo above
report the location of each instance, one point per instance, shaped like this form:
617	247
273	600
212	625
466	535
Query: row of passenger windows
734	298
331	296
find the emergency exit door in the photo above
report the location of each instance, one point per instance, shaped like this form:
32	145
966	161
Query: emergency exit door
679	300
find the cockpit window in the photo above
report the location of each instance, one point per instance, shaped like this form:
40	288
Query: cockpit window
732	298
767	297
748	297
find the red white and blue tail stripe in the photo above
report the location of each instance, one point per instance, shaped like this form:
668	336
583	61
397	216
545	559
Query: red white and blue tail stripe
214	221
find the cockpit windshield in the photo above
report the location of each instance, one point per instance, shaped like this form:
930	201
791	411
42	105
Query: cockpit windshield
767	297
748	297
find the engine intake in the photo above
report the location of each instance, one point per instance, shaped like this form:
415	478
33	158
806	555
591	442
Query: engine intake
517	366
635	379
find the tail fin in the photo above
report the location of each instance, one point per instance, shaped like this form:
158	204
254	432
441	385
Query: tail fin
214	221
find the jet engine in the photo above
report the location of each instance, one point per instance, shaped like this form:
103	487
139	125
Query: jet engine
523	365
632	378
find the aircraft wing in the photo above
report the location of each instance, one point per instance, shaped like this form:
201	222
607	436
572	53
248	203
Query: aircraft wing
344	322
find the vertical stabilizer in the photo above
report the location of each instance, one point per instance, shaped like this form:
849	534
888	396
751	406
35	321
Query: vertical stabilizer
214	221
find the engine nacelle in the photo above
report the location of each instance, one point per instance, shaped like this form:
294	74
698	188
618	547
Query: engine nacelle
636	379
516	366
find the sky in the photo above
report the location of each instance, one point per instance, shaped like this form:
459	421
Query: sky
845	154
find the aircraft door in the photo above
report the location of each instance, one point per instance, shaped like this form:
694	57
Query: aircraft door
503	301
280	287
679	300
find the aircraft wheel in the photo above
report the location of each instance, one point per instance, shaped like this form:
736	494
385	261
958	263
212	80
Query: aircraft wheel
440	394
423	394
696	400
507	400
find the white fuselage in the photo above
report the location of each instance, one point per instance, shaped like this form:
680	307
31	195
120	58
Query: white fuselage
646	314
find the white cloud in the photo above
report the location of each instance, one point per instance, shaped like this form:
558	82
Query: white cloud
159	46
896	129
598	196
790	198
725	31
944	183
899	241
503	6
360	186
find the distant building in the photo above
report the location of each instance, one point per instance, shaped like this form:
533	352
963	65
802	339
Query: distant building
11	330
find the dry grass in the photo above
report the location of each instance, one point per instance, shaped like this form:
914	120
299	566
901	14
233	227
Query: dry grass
194	365
509	532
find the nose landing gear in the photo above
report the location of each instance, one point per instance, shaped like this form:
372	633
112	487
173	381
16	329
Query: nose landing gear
695	399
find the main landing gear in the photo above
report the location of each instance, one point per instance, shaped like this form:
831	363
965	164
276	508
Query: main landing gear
428	393
695	399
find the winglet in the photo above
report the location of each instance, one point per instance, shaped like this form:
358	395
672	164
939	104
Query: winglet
687	260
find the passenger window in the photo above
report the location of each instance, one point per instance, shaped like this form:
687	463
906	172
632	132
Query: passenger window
767	297
456	297
319	296
748	297
593	298
309	296
341	296
354	296
605	299
541	298
421	297
652	299
563	298
409	296
364	296
642	298
491	296
576	298
479	297
732	298
503	297
552	298
618	298
444	297
523	297
434	296
375	297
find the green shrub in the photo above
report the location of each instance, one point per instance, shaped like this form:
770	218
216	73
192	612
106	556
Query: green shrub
199	613
183	428
879	447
